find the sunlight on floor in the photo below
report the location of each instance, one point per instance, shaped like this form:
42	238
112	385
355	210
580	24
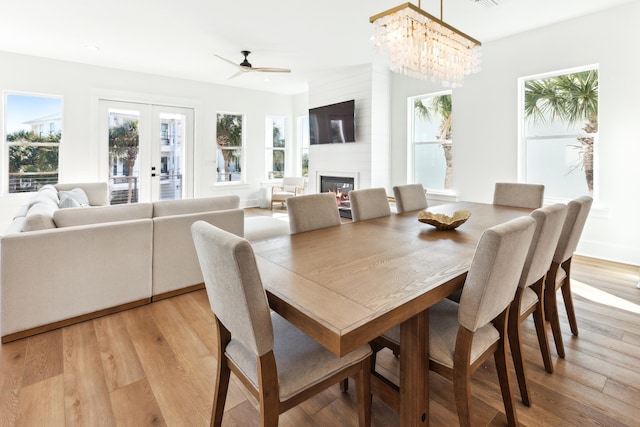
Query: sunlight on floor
601	297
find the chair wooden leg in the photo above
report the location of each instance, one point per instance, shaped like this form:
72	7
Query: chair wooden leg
220	393
516	347
363	392
268	388
541	330
222	376
462	376
568	298
462	391
551	309
500	357
344	385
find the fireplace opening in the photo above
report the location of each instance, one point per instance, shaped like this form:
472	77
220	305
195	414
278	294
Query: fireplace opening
340	186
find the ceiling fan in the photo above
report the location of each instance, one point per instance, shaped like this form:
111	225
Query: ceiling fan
246	67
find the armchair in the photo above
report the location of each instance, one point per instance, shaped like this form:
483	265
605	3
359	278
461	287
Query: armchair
291	187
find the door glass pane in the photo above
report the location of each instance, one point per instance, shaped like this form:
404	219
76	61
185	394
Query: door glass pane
172	127
124	146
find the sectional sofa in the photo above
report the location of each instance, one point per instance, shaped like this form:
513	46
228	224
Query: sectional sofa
62	265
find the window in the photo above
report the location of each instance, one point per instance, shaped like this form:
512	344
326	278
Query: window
32	152
303	137
559	131
229	139
430	157
275	136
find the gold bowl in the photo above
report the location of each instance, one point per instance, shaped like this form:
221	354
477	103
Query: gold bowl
442	221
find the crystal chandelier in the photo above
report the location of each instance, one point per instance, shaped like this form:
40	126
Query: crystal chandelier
423	46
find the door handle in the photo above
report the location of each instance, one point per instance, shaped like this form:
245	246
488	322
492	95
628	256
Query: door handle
153	171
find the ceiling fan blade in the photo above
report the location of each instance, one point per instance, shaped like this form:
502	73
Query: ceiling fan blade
271	70
237	74
230	62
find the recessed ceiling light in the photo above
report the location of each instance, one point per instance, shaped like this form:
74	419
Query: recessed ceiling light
488	3
92	47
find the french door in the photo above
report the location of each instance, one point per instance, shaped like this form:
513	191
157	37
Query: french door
147	151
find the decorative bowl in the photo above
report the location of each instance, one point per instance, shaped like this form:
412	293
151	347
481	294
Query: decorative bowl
442	221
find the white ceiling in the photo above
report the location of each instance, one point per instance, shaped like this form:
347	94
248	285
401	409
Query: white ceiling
180	38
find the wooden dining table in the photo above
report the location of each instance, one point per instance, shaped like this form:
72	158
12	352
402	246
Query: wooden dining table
346	285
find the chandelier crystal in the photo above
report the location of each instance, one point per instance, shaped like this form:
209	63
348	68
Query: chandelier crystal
422	46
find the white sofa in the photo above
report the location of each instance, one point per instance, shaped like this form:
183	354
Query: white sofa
60	266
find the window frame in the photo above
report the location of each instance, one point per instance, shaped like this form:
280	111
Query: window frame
5	179
412	143
270	149
241	148
523	138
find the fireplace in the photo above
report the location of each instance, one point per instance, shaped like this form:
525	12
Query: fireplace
340	186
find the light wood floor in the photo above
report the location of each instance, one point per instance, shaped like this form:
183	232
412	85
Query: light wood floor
154	365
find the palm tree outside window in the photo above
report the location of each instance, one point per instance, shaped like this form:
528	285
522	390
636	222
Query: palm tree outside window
560	131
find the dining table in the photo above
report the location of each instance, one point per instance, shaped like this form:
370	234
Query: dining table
346	285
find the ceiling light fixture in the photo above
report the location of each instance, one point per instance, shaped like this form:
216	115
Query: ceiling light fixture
423	46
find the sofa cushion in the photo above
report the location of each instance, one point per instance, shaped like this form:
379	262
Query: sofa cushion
188	206
99	214
78	196
47	191
40	216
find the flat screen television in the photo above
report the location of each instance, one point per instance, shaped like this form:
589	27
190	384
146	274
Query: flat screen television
332	124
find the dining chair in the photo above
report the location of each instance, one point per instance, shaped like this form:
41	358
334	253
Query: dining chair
559	275
410	197
312	211
529	296
369	203
518	195
463	335
291	186
279	364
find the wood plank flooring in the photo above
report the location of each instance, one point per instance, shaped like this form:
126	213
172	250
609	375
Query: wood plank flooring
154	365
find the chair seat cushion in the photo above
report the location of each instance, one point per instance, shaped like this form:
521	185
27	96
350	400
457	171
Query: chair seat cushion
282	195
443	331
529	298
301	361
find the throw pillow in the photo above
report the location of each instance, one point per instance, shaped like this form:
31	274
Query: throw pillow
66	201
77	194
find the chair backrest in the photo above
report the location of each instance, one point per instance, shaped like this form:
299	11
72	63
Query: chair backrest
234	287
410	197
312	211
577	213
289	183
549	222
495	271
518	195
369	203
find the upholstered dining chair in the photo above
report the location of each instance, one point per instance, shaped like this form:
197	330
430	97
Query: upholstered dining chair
292	186
280	365
529	295
559	275
369	203
410	197
518	195
463	335
312	211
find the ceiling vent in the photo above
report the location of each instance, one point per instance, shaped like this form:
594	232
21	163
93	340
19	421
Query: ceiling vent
487	3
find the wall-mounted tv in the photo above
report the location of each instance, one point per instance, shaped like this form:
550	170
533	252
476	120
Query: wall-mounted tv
332	124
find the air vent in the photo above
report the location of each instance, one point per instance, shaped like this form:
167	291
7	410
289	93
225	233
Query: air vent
487	3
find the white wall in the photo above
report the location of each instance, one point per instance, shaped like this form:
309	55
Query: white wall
78	85
485	120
